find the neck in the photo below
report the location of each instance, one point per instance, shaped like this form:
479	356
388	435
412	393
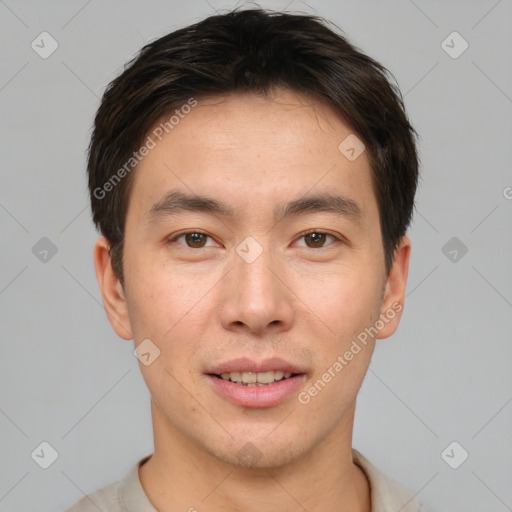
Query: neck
180	475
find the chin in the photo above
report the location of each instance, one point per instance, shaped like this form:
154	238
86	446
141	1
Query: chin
260	454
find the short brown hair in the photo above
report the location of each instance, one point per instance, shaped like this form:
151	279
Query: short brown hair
252	50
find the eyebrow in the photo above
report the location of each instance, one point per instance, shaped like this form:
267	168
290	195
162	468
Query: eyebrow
176	202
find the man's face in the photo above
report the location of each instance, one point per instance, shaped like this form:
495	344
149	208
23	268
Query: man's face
252	284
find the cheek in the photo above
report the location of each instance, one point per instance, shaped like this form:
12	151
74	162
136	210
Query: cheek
156	299
171	310
346	301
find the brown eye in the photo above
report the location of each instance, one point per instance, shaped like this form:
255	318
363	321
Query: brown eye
195	240
316	239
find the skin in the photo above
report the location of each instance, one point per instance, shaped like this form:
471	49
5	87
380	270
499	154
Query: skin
206	305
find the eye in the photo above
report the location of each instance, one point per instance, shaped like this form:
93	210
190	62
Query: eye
193	239
315	239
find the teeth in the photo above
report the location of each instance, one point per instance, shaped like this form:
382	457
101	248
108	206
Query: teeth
250	378
258	379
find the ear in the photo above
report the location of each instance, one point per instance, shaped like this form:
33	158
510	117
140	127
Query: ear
112	292
394	293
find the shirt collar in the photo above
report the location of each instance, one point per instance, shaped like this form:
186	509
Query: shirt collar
131	492
385	494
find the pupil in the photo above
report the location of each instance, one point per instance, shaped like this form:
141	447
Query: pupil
195	238
317	238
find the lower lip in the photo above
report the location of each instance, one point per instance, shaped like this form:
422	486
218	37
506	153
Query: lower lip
268	395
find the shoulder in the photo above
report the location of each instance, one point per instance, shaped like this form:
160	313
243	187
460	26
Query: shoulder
387	495
122	496
105	499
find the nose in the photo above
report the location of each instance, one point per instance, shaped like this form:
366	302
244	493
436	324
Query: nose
257	298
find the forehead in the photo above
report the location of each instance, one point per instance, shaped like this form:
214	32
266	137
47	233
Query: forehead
244	146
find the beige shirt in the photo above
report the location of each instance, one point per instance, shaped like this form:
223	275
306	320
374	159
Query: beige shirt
128	495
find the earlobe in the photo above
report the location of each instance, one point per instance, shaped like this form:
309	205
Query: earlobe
114	300
394	294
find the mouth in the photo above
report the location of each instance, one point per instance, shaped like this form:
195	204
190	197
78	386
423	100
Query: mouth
249	379
249	383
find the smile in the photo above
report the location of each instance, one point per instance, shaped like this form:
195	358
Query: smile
255	379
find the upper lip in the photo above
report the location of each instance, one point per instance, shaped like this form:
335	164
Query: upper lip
245	364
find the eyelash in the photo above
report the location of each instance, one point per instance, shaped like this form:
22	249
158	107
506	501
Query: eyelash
316	231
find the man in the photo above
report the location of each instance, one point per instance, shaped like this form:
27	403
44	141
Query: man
253	176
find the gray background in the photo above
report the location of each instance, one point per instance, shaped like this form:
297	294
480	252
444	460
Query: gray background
65	377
